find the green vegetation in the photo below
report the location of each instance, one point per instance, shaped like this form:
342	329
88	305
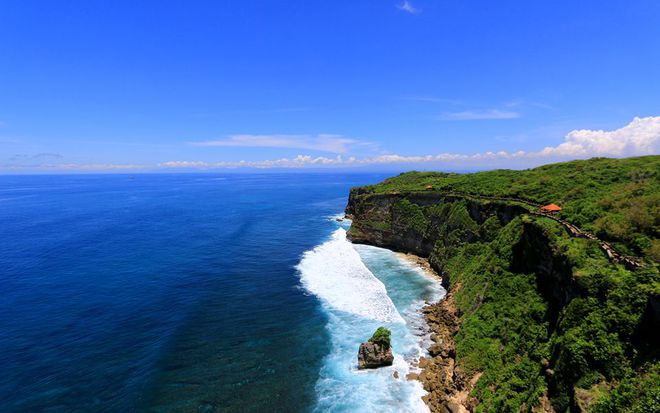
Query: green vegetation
616	199
410	216
508	328
382	336
378	225
543	313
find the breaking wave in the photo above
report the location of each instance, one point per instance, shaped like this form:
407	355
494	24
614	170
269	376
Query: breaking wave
352	284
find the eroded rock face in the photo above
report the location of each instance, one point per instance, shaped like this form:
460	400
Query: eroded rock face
374	355
447	385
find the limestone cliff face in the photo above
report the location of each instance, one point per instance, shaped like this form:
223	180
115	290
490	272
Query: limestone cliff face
381	220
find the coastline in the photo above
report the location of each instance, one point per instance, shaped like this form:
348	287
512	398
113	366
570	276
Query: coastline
420	262
447	387
352	283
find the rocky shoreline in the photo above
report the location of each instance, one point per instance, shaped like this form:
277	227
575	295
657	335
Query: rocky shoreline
447	386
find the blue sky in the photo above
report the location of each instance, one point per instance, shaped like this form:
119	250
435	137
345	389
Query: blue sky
161	86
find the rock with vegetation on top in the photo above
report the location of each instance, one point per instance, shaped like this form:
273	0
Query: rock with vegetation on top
377	352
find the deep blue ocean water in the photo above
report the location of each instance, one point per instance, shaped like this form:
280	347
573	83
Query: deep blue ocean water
194	293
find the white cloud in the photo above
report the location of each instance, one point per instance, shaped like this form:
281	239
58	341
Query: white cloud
481	114
322	142
297	162
408	7
185	164
639	137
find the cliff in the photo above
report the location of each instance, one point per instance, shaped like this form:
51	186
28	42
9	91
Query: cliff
540	317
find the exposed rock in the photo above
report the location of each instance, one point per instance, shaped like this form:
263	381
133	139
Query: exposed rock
373	355
584	398
364	208
456	408
447	386
544	405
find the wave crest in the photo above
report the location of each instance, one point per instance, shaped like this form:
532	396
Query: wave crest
334	272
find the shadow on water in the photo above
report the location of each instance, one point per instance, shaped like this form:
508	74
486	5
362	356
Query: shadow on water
258	361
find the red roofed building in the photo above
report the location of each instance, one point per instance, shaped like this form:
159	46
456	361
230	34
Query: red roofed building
551	208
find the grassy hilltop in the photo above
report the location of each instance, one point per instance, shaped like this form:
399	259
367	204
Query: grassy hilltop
543	315
616	199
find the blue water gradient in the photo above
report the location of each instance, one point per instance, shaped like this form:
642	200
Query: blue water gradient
168	293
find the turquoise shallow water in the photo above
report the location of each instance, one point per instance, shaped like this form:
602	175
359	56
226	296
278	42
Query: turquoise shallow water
361	288
184	293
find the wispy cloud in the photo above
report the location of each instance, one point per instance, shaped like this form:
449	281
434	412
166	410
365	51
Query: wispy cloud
19	157
408	7
8	140
432	99
481	114
322	142
75	167
251	112
640	137
527	103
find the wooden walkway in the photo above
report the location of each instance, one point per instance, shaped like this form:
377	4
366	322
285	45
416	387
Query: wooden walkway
612	254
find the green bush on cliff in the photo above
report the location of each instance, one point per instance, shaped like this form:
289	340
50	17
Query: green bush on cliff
508	334
504	328
381	336
410	217
489	229
619	199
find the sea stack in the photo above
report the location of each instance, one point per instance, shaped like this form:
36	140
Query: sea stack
377	352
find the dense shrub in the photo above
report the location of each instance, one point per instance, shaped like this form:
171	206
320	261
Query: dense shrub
617	198
381	336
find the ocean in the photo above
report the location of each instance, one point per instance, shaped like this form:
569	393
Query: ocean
198	293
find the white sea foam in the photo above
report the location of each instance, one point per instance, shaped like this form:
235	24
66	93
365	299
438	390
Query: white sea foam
335	217
353	283
334	272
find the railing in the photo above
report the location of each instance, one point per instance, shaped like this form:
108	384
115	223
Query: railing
573	230
612	254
